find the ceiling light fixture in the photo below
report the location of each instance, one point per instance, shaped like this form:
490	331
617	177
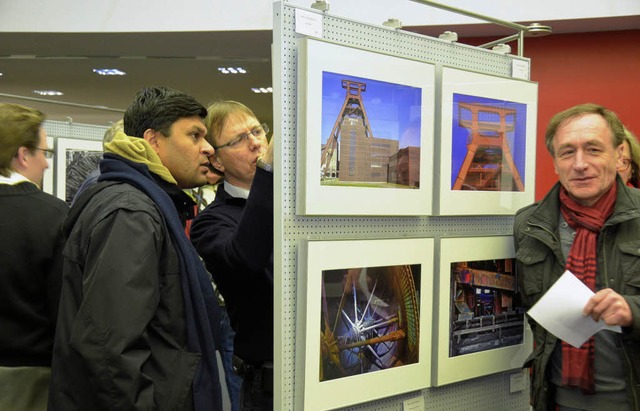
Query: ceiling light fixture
49	92
262	90
321	5
232	70
393	23
450	36
109	72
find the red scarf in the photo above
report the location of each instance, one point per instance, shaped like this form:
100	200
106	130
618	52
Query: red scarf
577	363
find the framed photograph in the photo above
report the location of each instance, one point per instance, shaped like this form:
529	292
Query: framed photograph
47	178
75	160
368	307
365	132
487	143
480	328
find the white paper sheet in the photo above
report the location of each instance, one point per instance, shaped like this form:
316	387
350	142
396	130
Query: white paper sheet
559	311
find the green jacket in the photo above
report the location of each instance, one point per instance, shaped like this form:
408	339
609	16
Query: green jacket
540	263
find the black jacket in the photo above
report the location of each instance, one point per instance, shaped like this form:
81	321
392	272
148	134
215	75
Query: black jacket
540	263
31	244
234	236
121	341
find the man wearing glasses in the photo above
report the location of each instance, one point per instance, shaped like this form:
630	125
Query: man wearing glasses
629	165
234	236
30	260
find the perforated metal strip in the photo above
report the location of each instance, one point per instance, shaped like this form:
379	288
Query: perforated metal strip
65	129
486	393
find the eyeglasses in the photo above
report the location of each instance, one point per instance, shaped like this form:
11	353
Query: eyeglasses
48	152
258	132
626	162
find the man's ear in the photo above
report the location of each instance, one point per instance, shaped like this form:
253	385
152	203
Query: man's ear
151	136
216	163
619	152
619	157
22	157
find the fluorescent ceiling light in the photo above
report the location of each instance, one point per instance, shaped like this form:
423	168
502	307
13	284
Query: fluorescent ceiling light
259	90
232	70
48	92
109	72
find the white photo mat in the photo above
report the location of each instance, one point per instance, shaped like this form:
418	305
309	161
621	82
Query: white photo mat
485	87
317	257
450	369
47	178
66	184
315	58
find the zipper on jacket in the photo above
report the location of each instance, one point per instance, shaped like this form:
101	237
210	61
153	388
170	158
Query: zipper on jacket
604	258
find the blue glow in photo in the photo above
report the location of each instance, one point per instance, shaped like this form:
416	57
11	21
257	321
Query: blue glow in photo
393	110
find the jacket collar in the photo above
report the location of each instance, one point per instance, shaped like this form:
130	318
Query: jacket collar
547	211
627	204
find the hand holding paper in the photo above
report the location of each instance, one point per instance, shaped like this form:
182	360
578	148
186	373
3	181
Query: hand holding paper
559	311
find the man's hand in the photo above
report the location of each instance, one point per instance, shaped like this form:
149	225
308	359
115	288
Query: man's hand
609	306
267	157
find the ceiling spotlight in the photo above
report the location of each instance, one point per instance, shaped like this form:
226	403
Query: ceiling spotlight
48	92
232	70
0	74
451	36
393	23
502	48
109	72
320	5
262	90
537	30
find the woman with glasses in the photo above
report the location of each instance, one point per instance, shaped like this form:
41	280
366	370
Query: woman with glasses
30	260
234	236
629	164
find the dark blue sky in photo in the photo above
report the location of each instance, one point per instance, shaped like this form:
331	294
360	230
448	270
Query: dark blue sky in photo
517	138
393	110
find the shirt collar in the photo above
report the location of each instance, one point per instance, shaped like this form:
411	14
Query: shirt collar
235	191
14	178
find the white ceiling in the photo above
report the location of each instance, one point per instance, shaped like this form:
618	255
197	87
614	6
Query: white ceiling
186	61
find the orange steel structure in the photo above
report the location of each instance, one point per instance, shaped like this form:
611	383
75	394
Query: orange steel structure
352	107
487	173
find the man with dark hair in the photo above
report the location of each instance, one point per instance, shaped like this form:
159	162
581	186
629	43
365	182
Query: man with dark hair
588	224
139	323
30	260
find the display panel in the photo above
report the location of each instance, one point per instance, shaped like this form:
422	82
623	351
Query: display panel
365	143
487	141
368	319
481	329
75	160
47	178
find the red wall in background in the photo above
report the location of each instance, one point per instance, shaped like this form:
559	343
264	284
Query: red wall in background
570	69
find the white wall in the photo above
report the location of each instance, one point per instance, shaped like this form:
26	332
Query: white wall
134	15
205	15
